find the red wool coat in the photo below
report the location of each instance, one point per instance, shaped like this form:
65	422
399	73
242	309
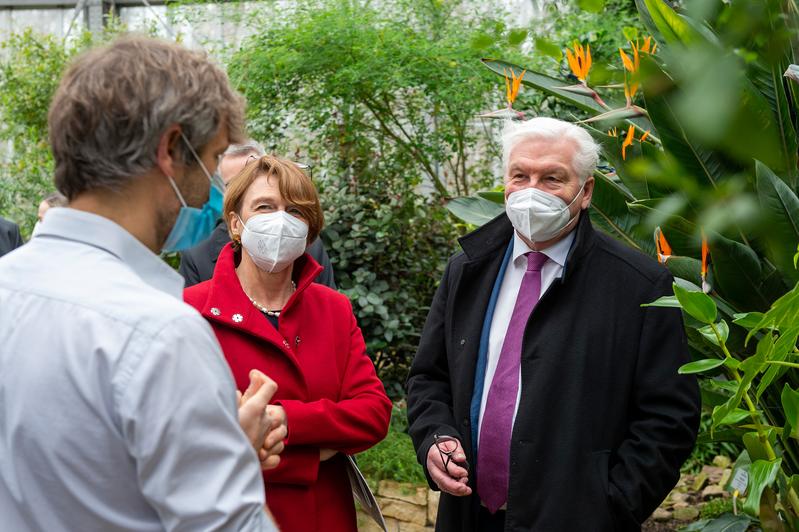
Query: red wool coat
326	383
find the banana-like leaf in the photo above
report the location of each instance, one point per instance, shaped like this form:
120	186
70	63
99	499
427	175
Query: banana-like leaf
663	20
497	196
737	273
609	212
770	83
706	166
554	87
681	234
474	210
780	210
611	150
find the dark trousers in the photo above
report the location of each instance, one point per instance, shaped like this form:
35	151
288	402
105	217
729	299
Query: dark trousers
488	522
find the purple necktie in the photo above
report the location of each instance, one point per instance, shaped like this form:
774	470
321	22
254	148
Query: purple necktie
493	453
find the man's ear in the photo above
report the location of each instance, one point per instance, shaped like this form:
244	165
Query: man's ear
589	192
168	155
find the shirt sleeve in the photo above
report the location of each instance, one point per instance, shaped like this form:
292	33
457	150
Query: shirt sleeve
179	418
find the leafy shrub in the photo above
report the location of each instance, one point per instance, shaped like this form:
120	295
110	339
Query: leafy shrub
394	457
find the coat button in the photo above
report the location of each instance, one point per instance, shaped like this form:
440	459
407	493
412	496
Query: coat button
463	341
465	422
286	344
238	318
215	311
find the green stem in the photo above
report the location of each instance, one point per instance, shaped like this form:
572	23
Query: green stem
781	363
748	400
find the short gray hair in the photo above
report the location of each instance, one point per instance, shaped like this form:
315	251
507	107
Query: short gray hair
115	102
249	147
586	156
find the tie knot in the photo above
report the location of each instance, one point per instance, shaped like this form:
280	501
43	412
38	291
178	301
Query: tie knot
535	261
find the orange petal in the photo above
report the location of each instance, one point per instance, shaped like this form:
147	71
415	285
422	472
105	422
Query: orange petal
664	251
628	64
647	44
654	47
587	60
627	142
573	65
644	136
704	255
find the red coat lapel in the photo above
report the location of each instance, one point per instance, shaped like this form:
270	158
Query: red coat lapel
228	304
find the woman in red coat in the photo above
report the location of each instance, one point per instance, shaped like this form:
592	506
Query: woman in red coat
268	314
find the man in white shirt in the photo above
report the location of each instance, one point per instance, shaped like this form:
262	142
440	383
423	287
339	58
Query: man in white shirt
117	409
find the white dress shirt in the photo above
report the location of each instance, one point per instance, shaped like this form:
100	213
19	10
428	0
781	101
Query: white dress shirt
506	301
117	409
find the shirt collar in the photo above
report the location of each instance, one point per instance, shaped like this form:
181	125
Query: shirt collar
102	233
556	252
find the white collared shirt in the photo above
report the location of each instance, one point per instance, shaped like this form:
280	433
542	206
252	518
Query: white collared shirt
117	409
506	301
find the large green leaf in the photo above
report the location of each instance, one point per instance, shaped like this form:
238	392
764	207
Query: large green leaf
702	164
698	305
790	404
769	82
724	523
700	366
638	187
780	211
737	273
783	348
762	473
610	213
554	87
672	27
474	210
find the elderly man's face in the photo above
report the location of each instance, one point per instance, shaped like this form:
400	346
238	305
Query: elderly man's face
231	165
547	165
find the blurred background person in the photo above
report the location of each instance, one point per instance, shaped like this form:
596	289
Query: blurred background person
55	199
269	314
120	413
197	264
10	237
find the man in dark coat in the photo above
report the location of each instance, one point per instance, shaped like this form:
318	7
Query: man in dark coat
10	237
537	352
197	264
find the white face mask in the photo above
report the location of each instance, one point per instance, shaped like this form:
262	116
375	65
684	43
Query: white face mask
537	215
274	240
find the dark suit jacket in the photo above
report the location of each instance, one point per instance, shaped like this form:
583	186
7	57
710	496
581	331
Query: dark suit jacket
10	237
197	264
604	420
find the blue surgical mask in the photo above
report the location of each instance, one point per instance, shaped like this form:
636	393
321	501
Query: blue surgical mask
194	225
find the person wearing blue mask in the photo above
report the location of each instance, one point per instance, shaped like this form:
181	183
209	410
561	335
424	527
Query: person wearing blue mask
119	412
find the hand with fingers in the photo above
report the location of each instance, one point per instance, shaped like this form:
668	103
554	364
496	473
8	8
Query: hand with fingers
447	466
269	454
253	416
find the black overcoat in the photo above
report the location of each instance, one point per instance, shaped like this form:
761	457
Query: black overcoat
604	420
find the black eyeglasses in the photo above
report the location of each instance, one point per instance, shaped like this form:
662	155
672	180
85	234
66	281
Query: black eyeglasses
447	445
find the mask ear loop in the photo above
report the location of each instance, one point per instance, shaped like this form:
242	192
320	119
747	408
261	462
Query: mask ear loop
216	182
177	192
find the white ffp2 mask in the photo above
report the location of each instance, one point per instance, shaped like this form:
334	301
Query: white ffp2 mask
537	215
274	240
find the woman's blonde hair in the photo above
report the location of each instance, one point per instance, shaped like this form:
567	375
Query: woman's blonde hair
294	185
